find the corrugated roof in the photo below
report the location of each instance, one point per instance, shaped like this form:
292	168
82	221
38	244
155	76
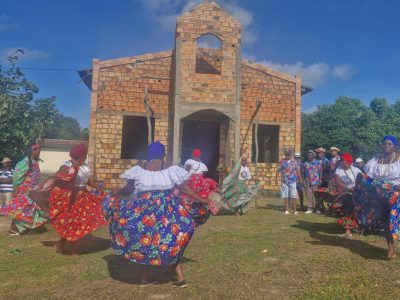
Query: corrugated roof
61	144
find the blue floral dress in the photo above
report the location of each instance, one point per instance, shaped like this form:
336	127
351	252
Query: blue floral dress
376	199
151	227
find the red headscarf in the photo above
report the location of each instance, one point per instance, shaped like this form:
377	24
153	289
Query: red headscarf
35	147
78	151
347	158
196	153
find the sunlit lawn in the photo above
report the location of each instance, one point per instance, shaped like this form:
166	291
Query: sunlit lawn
263	255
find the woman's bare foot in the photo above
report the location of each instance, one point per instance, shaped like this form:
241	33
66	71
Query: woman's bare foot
392	251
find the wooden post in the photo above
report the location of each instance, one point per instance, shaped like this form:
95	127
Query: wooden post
256	145
251	123
149	114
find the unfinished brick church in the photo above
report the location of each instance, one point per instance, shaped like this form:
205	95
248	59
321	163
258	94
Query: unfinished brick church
202	94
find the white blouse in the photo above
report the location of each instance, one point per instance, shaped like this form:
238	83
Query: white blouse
156	180
386	172
83	175
348	177
196	167
244	173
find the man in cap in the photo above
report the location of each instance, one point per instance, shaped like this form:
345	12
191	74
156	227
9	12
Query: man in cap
325	175
312	178
359	163
300	183
289	171
335	158
6	182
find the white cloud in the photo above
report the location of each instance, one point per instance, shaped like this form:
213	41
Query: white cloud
27	55
310	110
314	74
165	13
5	23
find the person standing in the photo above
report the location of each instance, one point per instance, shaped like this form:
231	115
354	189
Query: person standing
6	182
359	164
335	158
312	173
325	176
300	183
290	172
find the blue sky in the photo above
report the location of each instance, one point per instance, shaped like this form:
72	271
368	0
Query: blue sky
341	47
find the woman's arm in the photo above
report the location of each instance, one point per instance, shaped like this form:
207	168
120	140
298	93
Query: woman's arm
184	188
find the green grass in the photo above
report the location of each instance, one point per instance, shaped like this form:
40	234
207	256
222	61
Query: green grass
263	255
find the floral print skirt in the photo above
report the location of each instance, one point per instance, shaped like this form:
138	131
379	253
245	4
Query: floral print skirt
239	194
204	187
341	204
375	203
77	218
151	228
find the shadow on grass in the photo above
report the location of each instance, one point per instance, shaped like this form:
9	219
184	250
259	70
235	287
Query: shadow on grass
125	271
87	245
361	248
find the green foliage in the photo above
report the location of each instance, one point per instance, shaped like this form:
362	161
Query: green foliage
351	125
65	128
22	117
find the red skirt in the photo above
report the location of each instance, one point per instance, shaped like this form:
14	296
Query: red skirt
77	218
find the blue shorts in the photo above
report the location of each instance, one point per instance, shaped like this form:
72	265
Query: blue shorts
288	190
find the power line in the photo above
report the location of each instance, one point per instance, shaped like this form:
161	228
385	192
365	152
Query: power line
48	69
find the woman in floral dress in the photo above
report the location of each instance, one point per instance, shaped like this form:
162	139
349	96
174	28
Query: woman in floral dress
202	186
339	195
27	215
149	225
376	196
74	211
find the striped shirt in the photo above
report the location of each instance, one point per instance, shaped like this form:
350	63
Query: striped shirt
6	187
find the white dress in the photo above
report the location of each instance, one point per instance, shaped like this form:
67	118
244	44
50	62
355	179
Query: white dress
244	173
348	177
156	180
83	175
384	172
196	167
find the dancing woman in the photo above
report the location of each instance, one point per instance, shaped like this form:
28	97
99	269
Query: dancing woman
376	196
150	226
235	192
202	186
74	211
27	215
339	195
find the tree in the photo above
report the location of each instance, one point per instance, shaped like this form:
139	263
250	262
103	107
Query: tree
351	125
66	128
22	117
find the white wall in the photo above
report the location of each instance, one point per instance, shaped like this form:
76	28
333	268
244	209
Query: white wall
52	160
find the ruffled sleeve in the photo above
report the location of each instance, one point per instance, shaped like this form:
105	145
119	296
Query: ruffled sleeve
132	173
178	175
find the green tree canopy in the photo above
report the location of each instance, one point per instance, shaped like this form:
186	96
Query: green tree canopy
351	125
65	128
22	117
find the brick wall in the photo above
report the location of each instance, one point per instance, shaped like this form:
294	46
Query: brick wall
118	89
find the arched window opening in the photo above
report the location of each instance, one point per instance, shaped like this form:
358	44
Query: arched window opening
209	55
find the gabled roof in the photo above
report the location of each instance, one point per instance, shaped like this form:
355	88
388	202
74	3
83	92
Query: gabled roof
208	5
277	74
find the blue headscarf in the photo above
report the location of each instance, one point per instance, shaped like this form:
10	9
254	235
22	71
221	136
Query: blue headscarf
156	150
391	138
